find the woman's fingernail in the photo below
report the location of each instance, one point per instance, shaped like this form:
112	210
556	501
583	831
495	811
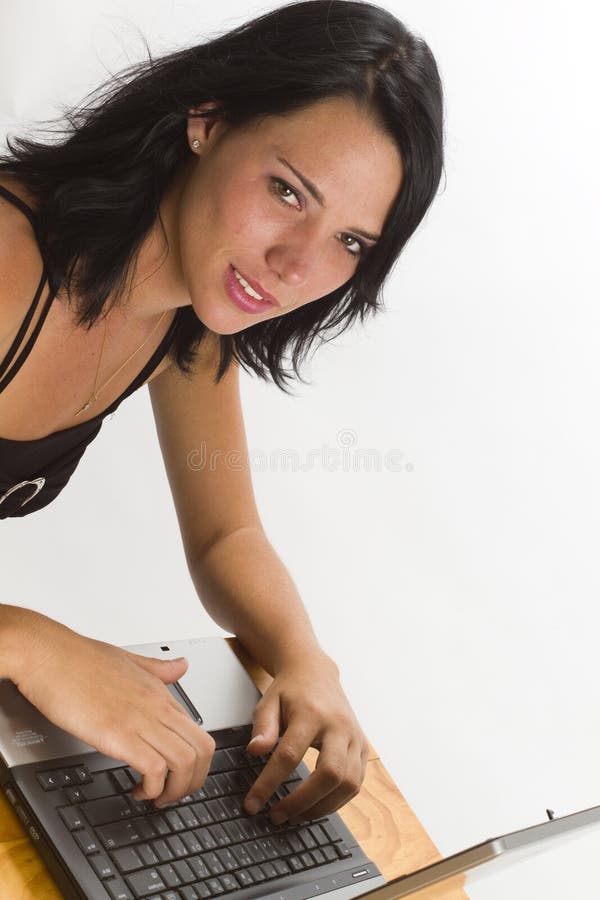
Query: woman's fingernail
253	806
256	737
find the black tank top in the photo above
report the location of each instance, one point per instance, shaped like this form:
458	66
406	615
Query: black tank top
33	473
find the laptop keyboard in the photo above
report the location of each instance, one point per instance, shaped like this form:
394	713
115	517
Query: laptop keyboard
204	845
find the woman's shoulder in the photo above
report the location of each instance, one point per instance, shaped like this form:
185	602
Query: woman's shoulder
21	262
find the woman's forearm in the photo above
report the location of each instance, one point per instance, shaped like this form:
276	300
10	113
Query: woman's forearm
247	590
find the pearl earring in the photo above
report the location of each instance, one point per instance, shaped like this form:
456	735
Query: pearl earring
196	144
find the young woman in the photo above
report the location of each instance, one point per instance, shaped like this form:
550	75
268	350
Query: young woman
223	206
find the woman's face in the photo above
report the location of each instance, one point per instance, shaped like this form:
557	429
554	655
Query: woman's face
244	208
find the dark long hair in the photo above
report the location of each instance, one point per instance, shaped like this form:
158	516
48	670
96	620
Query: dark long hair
121	150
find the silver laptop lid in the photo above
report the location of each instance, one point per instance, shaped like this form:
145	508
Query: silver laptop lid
215	686
485	858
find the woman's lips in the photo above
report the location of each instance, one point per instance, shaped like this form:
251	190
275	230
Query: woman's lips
238	295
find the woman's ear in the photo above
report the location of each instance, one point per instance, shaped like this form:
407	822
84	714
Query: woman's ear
199	129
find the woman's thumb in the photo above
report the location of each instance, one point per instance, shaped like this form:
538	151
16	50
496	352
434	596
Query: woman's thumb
168	670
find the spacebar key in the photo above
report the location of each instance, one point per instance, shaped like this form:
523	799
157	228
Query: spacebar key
146	883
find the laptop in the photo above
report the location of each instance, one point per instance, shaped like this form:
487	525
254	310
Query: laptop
99	843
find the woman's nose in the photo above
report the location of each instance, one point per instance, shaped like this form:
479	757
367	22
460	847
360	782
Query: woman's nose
295	259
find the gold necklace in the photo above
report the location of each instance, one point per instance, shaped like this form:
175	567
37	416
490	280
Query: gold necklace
94	395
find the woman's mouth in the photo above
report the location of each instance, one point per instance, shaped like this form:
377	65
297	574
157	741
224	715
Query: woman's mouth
243	294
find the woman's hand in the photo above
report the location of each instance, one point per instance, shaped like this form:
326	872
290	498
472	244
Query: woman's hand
117	702
306	704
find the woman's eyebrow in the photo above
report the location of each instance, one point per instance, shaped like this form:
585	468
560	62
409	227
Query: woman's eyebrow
314	191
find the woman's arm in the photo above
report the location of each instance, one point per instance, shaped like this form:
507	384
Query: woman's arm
247	590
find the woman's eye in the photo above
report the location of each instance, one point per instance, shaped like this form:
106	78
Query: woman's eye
358	245
283	192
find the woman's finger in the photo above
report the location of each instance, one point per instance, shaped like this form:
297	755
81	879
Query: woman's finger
292	746
328	778
346	791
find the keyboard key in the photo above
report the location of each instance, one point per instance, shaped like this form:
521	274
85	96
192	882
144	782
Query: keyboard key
245	878
202	813
49	780
145	883
174	820
281	844
186	814
307	838
210	788
248	828
176	846
257	873
220	835
205	838
296	864
281	867
295	842
162	850
233	831
75	795
216	810
68	777
220	762
215	886
169	875
83	774
119	834
269	870
198	866
191	842
101	786
215	866
268	848
229	882
147	829
86	841
149	857
108	809
343	851
122	779
127	859
160	824
243	857
183	871
202	890
329	853
227	859
171	895
255	851
232	806
222	785
189	892
318	834
71	817
118	890
102	865
330	832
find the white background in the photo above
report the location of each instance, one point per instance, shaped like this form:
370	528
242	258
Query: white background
458	594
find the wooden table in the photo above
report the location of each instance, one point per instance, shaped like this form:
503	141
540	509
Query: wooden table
379	817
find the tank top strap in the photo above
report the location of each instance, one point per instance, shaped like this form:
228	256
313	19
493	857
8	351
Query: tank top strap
11	356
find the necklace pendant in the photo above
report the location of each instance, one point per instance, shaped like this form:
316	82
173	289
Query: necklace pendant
84	407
